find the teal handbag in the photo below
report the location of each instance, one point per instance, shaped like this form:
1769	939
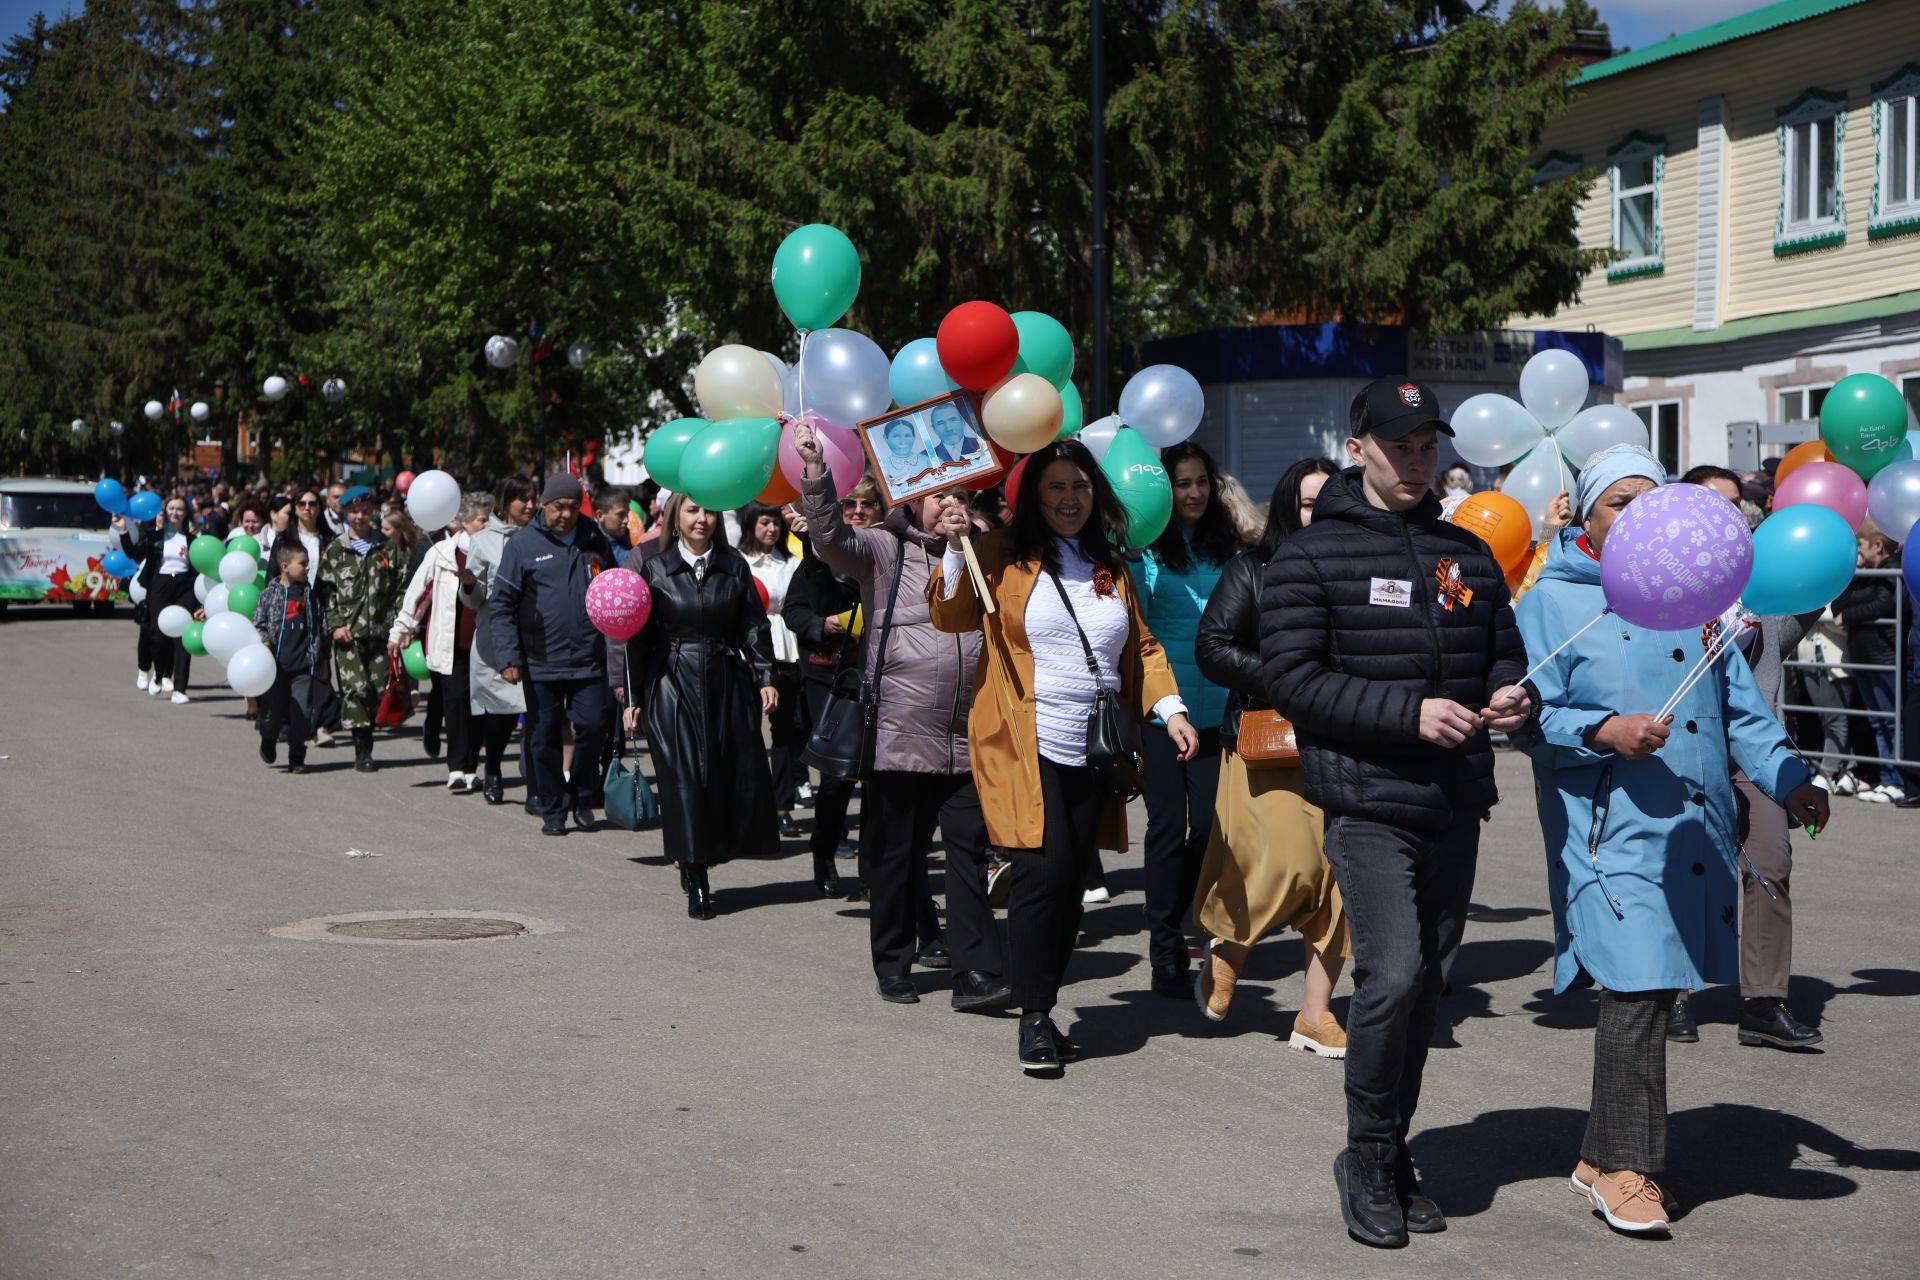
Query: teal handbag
629	800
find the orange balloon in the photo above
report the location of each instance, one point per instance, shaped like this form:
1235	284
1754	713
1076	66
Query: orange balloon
1811	451
779	491
1502	523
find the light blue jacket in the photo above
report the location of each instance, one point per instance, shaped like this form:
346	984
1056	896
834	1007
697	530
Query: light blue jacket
1172	604
1652	908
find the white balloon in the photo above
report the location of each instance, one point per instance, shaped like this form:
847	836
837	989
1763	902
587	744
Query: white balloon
734	382
1164	403
779	365
1491	430
1098	435
201	586
251	669
173	621
136	590
216	601
433	499
237	567
1539	478
1600	427
227	634
1554	385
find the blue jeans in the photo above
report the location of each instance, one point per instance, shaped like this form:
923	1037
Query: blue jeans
1876	694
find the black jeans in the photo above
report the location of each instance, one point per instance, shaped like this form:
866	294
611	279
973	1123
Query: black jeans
788	729
456	704
588	703
1044	907
832	797
281	709
171	661
1406	896
896	831
1179	796
495	729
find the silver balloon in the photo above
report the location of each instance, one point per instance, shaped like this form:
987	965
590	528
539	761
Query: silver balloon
1893	500
1536	481
117	427
1553	386
578	354
1491	430
844	377
1098	435
1164	403
1601	427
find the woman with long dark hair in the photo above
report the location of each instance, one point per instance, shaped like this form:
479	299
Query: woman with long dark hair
1264	865
168	577
1066	626
763	541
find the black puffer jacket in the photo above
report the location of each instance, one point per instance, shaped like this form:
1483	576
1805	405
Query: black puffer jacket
1353	637
1227	646
1866	607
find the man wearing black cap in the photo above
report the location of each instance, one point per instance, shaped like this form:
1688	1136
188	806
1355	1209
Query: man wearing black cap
541	635
1388	638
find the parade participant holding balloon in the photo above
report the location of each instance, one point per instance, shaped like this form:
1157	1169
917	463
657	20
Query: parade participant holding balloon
497	704
291	620
763	541
169	574
434	610
361	578
1638	806
1065	643
1392	723
702	672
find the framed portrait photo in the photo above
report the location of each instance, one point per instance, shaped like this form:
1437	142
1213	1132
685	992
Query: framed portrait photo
930	447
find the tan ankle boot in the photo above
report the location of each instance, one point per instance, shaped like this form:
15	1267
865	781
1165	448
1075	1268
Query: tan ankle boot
1218	975
1324	1038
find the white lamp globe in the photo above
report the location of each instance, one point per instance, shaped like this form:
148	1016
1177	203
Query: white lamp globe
274	388
334	390
153	410
200	411
502	351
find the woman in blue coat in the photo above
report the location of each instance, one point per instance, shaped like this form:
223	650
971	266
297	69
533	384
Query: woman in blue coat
1641	831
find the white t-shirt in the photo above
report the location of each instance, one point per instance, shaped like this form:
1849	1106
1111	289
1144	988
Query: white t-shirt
775	573
173	554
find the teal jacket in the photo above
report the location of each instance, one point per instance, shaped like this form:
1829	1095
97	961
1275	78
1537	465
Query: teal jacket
1172	603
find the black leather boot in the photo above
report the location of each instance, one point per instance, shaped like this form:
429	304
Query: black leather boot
492	787
826	877
363	751
699	894
1681	1028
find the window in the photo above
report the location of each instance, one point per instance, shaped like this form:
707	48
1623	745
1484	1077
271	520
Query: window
1910	388
1634	171
1895	207
1663	426
1554	166
1813	205
1802	404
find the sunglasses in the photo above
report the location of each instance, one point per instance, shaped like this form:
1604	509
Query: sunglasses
306	502
872	503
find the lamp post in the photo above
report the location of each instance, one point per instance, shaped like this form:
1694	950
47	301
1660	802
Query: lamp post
503	352
275	389
334	392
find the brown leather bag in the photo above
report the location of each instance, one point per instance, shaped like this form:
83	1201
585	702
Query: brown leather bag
1266	741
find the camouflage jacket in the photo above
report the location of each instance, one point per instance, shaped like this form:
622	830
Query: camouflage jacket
362	593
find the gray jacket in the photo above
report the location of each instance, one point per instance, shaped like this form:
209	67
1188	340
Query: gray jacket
927	684
490	695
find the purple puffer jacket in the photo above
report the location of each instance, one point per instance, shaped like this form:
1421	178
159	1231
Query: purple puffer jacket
927	685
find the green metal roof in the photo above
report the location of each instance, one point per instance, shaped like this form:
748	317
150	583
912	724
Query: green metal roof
1739	27
1891	304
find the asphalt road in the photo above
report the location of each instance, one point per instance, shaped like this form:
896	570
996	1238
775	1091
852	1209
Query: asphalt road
183	1093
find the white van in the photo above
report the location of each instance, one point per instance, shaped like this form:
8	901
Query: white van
53	536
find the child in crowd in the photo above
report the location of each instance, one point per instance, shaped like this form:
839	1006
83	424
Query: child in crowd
291	620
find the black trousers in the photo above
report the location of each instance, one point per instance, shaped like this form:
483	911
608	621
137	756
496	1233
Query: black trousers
435	716
171	661
832	797
551	705
788	729
1627	1117
902	810
495	731
1179	796
1406	896
456	704
147	638
281	709
1044	907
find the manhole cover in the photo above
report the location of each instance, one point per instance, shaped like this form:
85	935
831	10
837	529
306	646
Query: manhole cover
428	928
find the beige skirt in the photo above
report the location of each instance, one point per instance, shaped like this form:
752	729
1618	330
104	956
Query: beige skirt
1266	865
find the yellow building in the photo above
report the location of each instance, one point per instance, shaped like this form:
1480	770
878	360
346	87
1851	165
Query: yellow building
1759	178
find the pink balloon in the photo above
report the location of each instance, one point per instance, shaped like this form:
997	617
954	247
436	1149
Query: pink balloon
618	603
1825	484
846	460
403	482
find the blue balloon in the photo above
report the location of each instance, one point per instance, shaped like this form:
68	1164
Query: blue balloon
916	374
144	505
111	495
1803	556
119	564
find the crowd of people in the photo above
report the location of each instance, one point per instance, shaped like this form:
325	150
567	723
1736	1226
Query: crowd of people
1307	700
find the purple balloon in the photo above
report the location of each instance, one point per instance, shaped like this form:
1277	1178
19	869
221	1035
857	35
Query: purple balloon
1676	558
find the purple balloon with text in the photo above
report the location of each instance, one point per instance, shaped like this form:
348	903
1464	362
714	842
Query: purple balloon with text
1676	558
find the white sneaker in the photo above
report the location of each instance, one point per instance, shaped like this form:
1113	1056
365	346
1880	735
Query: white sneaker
1093	897
1885	793
179	698
1846	785
166	685
1823	782
153	689
456	781
804	793
140	681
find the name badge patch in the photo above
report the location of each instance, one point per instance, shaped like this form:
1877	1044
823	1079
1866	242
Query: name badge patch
1397	592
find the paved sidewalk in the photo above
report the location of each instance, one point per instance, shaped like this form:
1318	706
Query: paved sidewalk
184	1094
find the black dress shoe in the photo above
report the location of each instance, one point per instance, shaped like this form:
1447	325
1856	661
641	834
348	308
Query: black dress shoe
1422	1214
898	991
1037	1053
1766	1021
1368	1202
268	750
1175	984
1067	1049
554	824
789	829
493	788
1681	1028
430	739
699	894
1911	800
296	766
686	878
934	956
977	992
583	818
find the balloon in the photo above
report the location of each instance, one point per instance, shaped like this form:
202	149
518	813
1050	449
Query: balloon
190	639
618	603
1098	435
251	671
1676	558
111	495
1046	348
774	362
1164	403
1141	484
1553	386
204	554
853	622
978	344
201	588
1893	500
433	499
1601	427
766	597
1910	570
237	567
1825	484
1864	421
1007	466
916	374
736	382
136	592
119	564
1501	523
1014	476
243	599
1023	412
1491	430
816	274
664	449
779	491
243	542
843	377
846	460
173	621
1803	556
1536	481
226	634
216	602
728	463
1799	456
403	482
144	505
414	659
1073	414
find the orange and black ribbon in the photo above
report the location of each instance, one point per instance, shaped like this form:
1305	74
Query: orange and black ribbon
1452	587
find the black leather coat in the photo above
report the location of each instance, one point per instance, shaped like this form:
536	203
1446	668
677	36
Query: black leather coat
1227	645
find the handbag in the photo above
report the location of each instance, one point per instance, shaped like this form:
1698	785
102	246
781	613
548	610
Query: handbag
1266	741
1115	752
396	704
629	799
841	744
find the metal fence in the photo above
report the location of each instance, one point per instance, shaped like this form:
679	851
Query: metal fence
1906	753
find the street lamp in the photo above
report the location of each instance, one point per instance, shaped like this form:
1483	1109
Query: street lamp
334	390
503	352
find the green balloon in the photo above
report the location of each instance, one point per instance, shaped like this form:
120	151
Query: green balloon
243	598
414	659
1141	484
204	553
666	446
190	639
1863	422
1046	348
245	542
729	462
816	273
1074	416
260	583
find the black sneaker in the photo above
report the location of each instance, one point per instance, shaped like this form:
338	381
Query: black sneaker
898	990
1681	1028
1175	984
1368	1201
554	825
1422	1214
583	818
269	750
934	956
1767	1022
1037	1053
789	829
977	992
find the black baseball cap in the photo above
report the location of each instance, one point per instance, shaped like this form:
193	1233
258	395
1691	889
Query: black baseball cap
1395	407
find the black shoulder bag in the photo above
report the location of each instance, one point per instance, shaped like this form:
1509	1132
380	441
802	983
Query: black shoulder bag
1114	749
841	745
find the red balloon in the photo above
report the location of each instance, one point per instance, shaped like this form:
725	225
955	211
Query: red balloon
1013	484
978	344
766	601
403	482
985	483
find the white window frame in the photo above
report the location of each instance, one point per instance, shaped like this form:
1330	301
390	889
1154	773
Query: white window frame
1636	146
1648	411
1899	93
1795	127
1807	412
